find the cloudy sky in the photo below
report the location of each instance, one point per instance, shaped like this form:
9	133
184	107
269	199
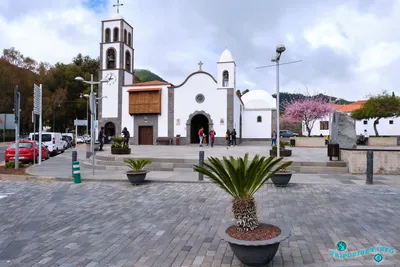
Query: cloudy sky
349	48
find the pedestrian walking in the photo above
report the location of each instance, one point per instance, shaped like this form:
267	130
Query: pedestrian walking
126	134
201	136
212	136
274	136
101	138
228	138
233	137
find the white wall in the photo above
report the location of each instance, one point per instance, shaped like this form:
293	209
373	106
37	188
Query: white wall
117	57
214	103
129	30
236	113
254	129
163	118
127	120
230	67
384	128
316	130
110	104
111	25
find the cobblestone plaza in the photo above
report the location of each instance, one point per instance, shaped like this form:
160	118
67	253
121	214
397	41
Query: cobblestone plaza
175	224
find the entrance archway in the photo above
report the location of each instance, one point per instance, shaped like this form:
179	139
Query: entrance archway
109	132
196	123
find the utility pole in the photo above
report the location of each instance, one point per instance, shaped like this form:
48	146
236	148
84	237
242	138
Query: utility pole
16	121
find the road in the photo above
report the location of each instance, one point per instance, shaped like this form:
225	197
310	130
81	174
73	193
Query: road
2	152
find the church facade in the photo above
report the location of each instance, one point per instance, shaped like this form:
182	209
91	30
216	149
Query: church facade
155	112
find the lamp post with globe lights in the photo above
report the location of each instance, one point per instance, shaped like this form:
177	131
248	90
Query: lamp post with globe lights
92	99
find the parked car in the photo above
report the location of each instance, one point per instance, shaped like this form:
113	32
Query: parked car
80	140
286	133
52	140
68	137
65	142
28	150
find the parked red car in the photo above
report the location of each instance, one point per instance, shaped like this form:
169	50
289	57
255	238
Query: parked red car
26	150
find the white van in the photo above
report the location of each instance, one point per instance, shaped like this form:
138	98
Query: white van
53	141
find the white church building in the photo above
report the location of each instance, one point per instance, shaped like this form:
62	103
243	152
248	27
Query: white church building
154	112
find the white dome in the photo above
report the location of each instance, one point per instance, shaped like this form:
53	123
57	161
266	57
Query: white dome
226	56
256	99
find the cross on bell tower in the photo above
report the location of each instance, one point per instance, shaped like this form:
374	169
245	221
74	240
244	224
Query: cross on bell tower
118	5
200	65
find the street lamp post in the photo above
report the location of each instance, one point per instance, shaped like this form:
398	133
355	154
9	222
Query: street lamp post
92	109
279	50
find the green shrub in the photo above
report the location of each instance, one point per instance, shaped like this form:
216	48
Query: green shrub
119	143
282	145
137	165
11	165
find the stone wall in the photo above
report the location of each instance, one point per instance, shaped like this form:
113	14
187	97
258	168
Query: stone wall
382	141
385	161
310	141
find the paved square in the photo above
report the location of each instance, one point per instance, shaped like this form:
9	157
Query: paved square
175	224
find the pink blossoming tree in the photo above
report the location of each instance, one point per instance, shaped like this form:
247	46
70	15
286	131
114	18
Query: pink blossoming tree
307	111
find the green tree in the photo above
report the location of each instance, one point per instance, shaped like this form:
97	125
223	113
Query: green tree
385	105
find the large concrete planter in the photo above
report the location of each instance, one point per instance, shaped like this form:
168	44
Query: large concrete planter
281	179
283	153
255	253
136	178
120	151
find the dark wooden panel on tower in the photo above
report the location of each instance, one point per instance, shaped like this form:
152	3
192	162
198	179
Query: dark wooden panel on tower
145	101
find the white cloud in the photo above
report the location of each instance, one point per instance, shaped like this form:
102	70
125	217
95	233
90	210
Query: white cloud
348	47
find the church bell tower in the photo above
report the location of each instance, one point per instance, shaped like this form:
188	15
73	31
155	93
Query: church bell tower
116	66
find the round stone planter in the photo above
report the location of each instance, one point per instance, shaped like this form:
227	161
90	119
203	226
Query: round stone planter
136	178
120	150
284	152
255	253
281	179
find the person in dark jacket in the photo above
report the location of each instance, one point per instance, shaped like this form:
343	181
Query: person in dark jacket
101	138
126	134
233	134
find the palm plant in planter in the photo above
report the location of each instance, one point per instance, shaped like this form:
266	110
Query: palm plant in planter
136	175
283	151
119	148
253	243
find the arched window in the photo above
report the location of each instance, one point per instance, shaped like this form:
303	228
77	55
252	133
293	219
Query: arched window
259	119
111	58
127	61
225	78
125	36
129	39
116	32
108	35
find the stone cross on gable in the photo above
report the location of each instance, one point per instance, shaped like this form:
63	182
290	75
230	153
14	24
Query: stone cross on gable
200	65
118	5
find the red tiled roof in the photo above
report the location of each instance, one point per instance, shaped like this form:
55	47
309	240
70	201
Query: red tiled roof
150	83
143	90
350	107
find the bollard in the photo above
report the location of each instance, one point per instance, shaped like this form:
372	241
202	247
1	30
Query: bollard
370	167
74	158
201	164
76	172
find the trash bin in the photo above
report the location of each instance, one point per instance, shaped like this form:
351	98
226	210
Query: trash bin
178	140
292	142
333	151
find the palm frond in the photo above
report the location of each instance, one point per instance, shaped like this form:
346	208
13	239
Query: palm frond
241	177
137	164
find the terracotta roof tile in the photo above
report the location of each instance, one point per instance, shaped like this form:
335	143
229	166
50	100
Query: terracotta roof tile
150	83
350	107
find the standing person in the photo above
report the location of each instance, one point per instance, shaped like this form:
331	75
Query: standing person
201	135
101	138
126	134
212	136
233	134
273	138
366	136
228	138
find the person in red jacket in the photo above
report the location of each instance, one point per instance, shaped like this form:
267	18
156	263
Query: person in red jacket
212	136
201	135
